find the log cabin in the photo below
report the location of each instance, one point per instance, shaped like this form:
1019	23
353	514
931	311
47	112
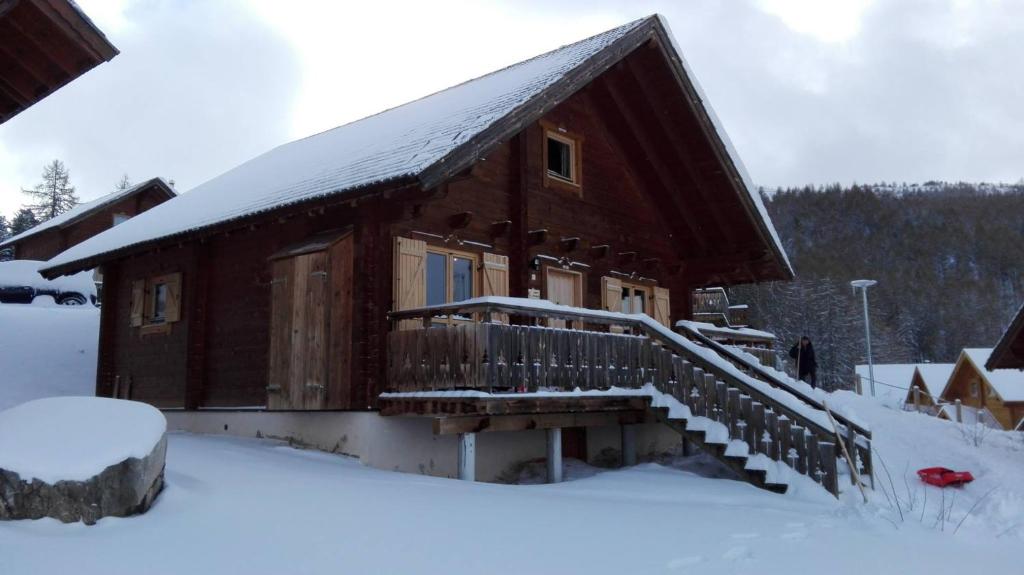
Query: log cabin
44	44
929	380
999	392
86	220
1009	351
500	259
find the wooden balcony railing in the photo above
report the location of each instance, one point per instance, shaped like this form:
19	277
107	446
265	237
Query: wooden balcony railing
710	301
780	422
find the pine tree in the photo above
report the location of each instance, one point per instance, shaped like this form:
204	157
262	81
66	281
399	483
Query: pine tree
123	184
5	232
55	194
22	221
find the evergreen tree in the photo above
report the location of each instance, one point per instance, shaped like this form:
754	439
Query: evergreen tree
5	232
54	195
23	220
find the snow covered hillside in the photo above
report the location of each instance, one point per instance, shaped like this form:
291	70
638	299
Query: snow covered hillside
47	351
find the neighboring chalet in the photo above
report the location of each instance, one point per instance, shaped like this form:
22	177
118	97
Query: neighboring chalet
1009	352
458	267
999	392
929	380
44	44
85	220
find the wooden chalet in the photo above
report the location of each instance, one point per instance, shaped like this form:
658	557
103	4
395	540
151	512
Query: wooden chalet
999	392
1009	351
44	44
926	385
500	259
86	220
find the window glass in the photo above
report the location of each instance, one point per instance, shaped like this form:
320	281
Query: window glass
638	301
462	279
437	278
559	159
626	301
159	302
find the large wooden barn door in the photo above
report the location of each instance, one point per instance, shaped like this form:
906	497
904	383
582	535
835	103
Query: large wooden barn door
310	329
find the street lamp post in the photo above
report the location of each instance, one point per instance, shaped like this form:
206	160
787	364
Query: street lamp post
864	285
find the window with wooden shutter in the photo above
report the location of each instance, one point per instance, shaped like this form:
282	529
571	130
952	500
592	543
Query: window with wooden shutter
611	294
410	277
138	302
495	282
662	307
172	311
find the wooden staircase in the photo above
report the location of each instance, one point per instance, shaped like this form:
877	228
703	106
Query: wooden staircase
721	400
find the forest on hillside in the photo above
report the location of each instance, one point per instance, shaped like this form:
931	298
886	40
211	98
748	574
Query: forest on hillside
948	258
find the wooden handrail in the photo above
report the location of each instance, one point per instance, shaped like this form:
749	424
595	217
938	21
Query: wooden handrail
491	306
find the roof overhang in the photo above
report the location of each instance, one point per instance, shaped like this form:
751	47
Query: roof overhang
1009	352
44	44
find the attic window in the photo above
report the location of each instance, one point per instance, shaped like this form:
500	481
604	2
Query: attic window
561	158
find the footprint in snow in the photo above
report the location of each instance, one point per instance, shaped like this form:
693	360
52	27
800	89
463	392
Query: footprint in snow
745	535
795	535
684	562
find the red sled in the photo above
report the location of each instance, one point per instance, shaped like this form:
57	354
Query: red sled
943	477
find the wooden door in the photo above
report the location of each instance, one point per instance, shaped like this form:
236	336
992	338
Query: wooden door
574	443
299	316
564	287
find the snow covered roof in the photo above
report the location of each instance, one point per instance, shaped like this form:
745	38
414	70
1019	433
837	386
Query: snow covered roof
1008	384
969	415
424	141
935	375
892	375
84	210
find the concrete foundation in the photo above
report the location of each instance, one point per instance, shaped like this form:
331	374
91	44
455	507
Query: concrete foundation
408	444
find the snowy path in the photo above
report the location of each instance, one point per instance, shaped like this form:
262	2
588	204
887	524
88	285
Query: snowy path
253	506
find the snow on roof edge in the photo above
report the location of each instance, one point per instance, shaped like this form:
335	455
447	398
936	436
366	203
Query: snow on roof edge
86	209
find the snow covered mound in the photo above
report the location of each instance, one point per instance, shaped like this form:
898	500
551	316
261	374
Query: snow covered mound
75	438
80	459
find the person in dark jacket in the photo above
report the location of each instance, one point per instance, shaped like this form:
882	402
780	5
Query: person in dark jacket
806	364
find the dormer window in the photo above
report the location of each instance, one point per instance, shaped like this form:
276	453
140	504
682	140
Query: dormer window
561	158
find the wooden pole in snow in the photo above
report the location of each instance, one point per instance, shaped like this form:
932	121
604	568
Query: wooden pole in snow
959	412
917	398
846	453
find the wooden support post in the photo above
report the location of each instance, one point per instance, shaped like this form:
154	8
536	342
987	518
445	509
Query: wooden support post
555	455
467	456
628	445
917	398
959	412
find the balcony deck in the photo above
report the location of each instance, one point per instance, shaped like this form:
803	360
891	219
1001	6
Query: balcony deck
488	375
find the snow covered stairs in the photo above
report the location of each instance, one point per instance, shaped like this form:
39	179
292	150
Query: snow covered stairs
733	454
752	433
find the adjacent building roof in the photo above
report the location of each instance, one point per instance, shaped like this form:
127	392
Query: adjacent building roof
1009	385
935	375
423	142
84	210
44	44
1009	352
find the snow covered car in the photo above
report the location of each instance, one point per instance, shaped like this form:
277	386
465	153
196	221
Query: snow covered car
20	282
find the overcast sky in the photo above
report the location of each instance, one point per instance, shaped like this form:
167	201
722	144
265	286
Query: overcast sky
810	91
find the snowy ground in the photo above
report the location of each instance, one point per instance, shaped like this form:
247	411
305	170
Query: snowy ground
253	506
234	505
47	351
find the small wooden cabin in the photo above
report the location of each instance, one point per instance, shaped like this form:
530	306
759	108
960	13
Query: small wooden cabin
86	220
929	379
330	290
1000	392
44	44
1009	351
